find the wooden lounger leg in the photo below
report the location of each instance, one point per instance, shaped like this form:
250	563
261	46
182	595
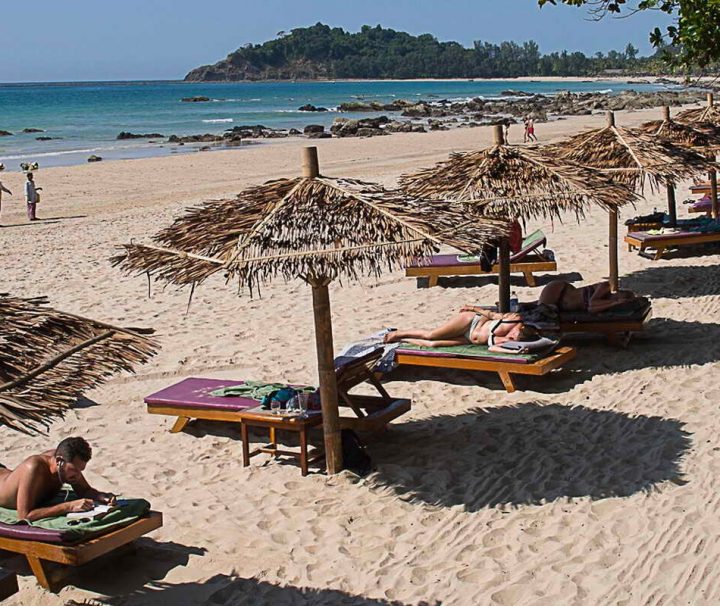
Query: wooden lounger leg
41	574
180	424
432	281
659	252
507	381
530	278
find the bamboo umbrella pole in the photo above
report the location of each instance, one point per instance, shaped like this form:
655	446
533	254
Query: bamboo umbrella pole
613	232
712	175
504	248
325	348
671	204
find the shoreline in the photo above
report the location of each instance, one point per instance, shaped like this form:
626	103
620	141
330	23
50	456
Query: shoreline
364	114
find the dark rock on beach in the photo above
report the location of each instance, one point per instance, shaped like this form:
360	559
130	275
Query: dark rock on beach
94	158
125	135
313	128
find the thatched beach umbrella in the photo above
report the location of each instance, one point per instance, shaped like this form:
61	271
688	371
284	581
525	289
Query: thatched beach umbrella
315	228
511	181
48	358
701	137
628	157
699	116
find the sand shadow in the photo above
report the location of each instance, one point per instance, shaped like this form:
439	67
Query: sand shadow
516	280
44	221
129	571
230	589
83	402
673	282
665	343
536	454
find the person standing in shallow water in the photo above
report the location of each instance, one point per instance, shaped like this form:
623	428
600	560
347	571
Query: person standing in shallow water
31	196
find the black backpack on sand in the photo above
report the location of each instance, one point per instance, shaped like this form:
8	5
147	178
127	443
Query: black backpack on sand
355	457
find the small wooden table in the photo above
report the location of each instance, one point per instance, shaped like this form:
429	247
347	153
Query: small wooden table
257	417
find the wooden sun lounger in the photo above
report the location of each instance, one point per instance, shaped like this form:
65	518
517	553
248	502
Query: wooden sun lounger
526	261
8	584
700	188
618	332
506	370
191	399
39	553
661	242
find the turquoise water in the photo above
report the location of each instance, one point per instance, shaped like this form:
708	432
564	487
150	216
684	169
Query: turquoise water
87	117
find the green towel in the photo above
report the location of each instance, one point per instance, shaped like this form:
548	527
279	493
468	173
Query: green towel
129	511
472	351
257	390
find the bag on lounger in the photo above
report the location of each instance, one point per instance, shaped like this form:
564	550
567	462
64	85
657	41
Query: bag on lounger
525	347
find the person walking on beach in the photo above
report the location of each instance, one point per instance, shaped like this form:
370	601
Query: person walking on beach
529	130
31	196
6	190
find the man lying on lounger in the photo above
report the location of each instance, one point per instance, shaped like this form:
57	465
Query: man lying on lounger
40	477
594	298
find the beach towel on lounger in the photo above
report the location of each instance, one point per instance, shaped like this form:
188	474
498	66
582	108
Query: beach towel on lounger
128	511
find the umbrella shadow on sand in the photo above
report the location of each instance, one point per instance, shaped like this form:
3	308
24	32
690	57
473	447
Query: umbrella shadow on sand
529	454
665	343
230	589
129	570
674	282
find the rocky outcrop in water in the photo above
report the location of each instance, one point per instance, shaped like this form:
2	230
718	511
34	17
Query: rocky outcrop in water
5	133
125	135
33	130
199	99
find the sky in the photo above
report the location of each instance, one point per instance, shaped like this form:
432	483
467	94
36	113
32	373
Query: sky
76	40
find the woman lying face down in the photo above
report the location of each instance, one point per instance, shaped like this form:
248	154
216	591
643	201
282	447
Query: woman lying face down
594	298
472	325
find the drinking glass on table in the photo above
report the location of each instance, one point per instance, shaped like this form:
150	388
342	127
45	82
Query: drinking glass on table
302	401
291	405
275	406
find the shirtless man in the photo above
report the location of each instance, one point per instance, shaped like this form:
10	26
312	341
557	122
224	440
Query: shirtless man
40	477
472	325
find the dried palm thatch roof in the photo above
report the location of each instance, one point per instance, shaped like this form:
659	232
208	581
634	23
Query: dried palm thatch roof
709	113
49	358
704	135
517	182
305	227
629	156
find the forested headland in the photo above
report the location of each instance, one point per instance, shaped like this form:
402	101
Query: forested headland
324	52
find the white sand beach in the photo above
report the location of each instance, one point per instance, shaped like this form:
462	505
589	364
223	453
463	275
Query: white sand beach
600	487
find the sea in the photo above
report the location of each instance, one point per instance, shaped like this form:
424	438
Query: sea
84	118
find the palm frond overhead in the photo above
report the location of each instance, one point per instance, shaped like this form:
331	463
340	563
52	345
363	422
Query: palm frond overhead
48	358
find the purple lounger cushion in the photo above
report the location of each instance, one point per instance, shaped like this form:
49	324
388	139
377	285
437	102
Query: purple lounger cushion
531	244
194	392
24	532
646	237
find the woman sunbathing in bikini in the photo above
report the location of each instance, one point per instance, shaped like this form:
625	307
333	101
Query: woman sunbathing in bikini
594	298
472	325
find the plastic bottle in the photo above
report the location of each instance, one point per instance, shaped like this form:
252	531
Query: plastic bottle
514	303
